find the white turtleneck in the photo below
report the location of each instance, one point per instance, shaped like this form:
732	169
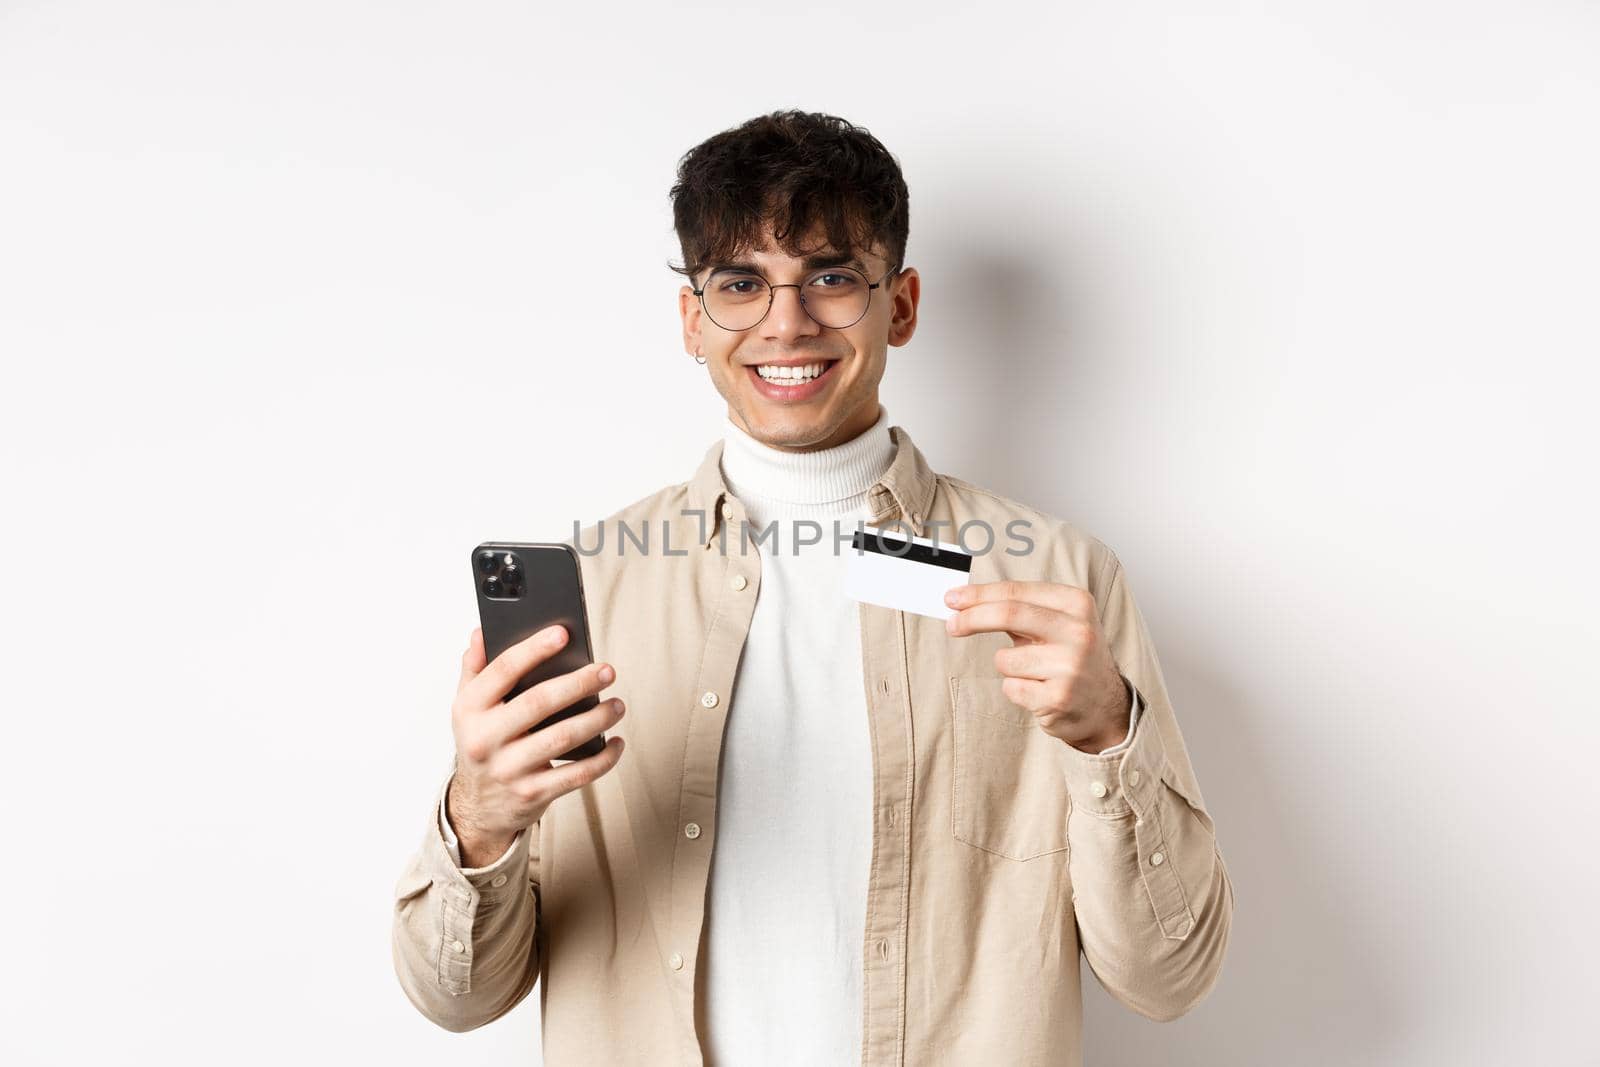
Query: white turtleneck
788	887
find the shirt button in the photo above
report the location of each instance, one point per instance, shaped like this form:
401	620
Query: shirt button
1097	788
739	582
499	880
916	517
456	946
692	831
1133	777
708	699
1156	858
727	511
675	961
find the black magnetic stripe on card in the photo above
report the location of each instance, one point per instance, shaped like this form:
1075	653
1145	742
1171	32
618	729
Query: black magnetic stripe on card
886	545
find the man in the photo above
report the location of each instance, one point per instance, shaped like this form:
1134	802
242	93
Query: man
841	833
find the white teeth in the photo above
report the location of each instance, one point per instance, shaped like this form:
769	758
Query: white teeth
791	374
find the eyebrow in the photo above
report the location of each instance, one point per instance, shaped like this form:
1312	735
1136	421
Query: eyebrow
821	259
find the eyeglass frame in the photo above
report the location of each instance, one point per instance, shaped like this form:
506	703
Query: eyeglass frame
772	295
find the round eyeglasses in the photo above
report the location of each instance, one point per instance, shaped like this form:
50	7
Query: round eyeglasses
835	297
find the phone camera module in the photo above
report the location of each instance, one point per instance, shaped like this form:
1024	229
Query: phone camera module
501	574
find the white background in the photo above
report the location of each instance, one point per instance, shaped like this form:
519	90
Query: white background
1293	305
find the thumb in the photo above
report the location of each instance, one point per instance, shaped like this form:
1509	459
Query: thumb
473	660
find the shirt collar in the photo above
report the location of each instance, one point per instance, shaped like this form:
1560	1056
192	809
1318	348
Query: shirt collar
905	491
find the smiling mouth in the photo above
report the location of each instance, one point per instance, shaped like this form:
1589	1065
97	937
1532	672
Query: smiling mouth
772	374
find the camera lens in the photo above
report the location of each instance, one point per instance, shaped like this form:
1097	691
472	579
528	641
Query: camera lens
486	562
491	585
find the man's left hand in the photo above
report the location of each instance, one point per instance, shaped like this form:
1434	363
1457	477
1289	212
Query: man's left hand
1058	666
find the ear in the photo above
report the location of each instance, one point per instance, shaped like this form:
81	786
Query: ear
689	311
903	309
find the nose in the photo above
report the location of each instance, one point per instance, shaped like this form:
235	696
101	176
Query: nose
787	318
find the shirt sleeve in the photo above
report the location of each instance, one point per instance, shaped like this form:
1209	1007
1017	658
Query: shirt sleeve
1152	898
465	942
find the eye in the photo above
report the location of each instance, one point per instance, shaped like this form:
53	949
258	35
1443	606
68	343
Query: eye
838	280
752	285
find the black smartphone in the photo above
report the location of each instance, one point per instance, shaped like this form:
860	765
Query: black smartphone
522	588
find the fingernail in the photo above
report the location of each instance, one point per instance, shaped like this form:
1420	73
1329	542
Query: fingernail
950	625
952	595
622	709
607	673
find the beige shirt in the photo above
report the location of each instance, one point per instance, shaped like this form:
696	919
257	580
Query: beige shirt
998	852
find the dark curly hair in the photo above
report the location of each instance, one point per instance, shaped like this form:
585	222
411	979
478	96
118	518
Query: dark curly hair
796	169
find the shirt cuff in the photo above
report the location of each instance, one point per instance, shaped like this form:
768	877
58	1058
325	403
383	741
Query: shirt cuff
1120	779
466	895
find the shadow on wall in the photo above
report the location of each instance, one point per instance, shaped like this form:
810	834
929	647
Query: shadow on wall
1306	980
1002	349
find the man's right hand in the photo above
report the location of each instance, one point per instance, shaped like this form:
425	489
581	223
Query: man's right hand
504	779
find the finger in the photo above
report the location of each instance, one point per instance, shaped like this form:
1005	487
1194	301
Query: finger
1068	599
506	670
533	752
1019	618
558	781
1038	697
1042	660
473	659
534	705
1024	692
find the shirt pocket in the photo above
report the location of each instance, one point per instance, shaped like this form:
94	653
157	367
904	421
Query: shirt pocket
1008	794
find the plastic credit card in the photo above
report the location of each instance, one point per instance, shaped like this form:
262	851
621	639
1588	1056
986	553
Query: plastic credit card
907	574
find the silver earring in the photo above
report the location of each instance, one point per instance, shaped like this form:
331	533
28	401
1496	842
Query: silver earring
700	359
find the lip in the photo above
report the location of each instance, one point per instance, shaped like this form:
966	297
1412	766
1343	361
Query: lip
793	393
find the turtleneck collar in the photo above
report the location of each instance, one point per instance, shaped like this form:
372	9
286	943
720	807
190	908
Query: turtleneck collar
806	479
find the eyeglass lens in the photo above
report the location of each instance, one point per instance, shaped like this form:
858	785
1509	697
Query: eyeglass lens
836	297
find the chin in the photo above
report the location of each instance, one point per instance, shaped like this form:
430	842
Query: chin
788	428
